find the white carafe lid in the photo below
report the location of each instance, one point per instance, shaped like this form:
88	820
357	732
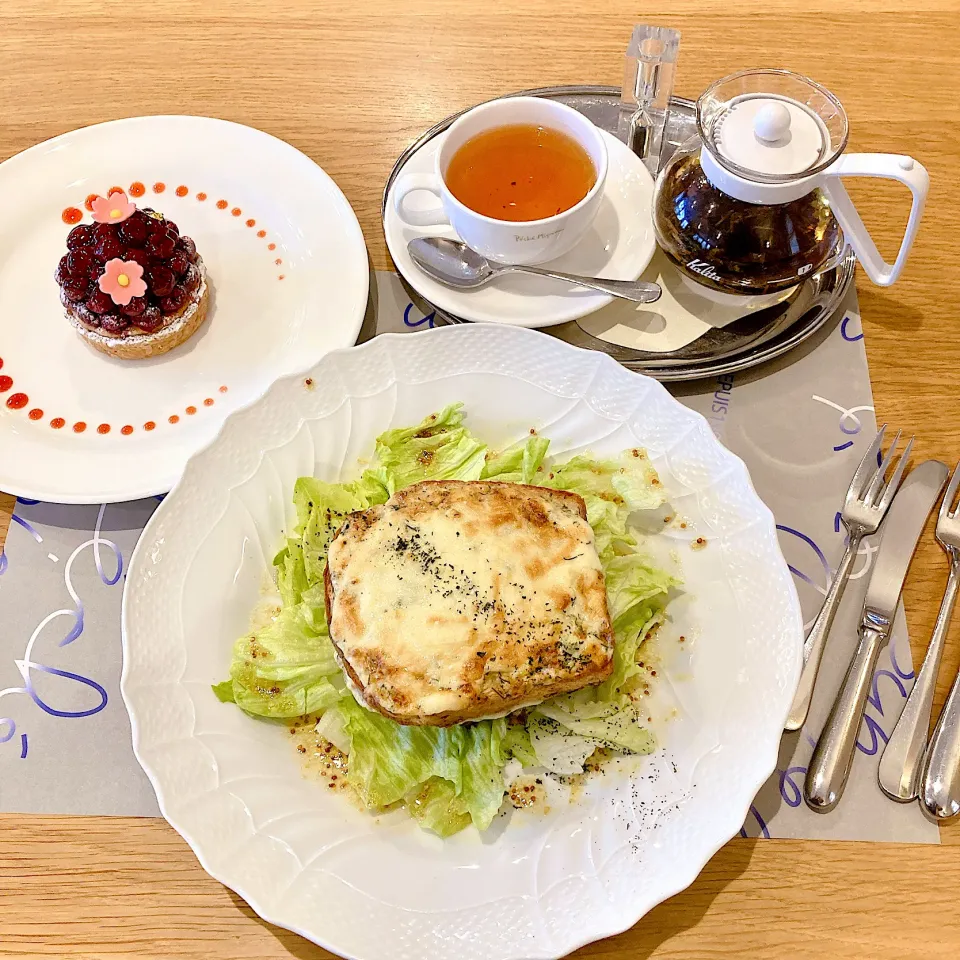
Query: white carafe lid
767	133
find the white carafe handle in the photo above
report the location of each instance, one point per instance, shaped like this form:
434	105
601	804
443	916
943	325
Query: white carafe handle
891	167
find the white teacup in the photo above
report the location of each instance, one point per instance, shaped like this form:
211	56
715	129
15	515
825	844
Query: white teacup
508	241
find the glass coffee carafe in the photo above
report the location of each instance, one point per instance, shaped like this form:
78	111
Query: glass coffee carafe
756	204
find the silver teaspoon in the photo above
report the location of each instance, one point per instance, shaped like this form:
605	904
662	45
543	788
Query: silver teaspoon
455	264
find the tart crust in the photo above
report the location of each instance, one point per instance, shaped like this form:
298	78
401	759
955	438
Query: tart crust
178	327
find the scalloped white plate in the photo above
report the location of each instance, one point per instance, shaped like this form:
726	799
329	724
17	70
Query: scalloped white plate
287	269
534	886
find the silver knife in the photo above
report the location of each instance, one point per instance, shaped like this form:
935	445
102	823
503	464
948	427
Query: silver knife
833	755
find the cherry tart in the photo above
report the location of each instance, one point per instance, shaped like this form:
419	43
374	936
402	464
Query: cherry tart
131	285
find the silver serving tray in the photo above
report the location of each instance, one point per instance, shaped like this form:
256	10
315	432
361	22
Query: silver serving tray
751	340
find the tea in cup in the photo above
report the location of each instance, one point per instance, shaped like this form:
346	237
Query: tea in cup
519	180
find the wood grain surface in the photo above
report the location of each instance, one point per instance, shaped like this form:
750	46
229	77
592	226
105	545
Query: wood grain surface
351	84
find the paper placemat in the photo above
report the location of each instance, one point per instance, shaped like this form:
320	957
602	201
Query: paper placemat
801	425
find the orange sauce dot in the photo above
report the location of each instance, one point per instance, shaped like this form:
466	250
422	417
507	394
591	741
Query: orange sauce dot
280	277
223	389
236	211
104	428
271	246
251	223
159	187
5	383
88	203
222	204
278	261
149	425
58	423
18	401
79	427
137	189
114	190
261	233
182	191
208	402
35	414
201	196
127	430
191	410
71	215
173	418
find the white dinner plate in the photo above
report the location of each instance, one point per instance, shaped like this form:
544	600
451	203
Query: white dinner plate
535	885
267	212
618	246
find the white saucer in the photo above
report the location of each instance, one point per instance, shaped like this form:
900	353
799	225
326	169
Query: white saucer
619	246
288	273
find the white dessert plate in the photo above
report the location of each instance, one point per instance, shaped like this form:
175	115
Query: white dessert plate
285	261
618	246
535	885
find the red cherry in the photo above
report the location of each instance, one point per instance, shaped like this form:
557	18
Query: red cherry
156	225
160	279
188	247
114	325
178	263
100	303
79	236
62	271
89	318
75	288
100	231
151	321
191	280
136	255
96	269
172	228
79	263
134	308
160	246
133	231
176	299
108	248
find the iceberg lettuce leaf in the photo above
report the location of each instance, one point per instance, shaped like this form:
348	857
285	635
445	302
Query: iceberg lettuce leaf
517	464
389	760
285	669
436	806
438	448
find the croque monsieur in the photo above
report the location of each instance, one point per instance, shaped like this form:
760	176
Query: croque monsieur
458	600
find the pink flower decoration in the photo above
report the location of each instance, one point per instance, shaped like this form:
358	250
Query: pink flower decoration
113	209
122	280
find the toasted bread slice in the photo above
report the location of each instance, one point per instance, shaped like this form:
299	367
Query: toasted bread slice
460	600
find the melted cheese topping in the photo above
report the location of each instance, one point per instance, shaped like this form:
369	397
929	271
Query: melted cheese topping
469	598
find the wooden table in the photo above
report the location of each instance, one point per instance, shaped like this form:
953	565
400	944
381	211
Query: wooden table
351	85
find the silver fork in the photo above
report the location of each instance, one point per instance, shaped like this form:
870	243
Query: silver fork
901	767
864	506
941	775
